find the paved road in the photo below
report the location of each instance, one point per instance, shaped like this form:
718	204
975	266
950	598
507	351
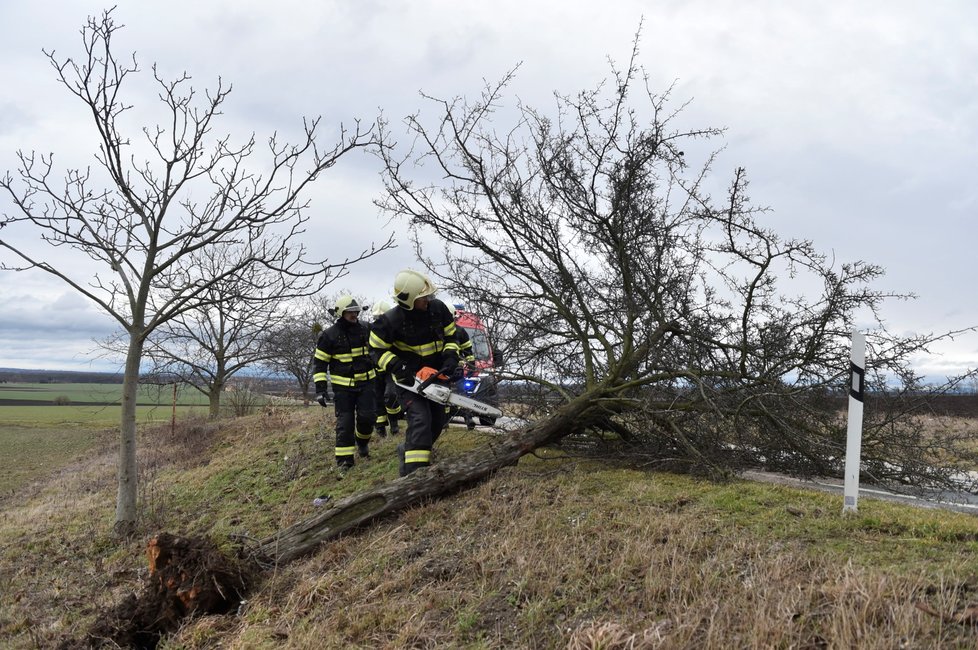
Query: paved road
502	425
958	501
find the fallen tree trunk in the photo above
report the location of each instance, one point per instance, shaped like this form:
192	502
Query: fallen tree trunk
439	479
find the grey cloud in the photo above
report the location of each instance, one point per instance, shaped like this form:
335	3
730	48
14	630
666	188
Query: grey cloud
13	117
68	316
855	120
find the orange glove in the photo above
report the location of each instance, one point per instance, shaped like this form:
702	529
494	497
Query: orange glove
427	373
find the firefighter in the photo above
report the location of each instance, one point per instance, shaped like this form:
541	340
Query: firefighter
416	338
464	342
343	357
468	358
388	408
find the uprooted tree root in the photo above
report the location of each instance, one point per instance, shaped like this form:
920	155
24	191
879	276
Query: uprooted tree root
188	576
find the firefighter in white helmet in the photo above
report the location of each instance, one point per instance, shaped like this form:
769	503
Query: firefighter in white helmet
388	407
343	358
416	338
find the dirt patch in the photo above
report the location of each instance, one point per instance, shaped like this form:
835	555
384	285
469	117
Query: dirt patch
189	576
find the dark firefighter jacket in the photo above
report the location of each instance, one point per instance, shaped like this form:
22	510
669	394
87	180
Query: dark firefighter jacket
418	338
464	344
343	352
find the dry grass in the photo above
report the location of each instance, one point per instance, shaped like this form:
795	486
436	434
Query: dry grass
553	553
539	562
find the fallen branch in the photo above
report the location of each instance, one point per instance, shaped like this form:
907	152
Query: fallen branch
967	616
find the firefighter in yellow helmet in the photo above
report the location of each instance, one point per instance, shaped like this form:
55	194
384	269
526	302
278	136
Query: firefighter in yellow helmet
418	334
343	358
388	407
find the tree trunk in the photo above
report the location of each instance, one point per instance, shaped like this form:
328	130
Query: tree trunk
125	507
304	387
214	399
439	479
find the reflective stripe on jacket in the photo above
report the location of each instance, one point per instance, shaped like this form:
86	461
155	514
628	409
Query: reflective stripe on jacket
343	356
464	344
418	338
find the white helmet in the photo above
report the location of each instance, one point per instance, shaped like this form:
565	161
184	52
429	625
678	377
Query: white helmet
346	303
380	308
410	285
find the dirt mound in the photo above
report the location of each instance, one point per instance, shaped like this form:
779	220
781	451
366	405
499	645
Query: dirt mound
188	576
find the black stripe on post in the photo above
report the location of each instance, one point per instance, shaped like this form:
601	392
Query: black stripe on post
858	379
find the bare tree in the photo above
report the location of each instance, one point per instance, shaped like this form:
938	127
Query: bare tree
291	345
615	276
143	225
205	347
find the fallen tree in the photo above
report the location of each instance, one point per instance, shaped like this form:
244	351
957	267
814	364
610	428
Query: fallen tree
189	576
584	232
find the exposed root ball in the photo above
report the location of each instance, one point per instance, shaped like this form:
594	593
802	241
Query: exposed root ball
188	576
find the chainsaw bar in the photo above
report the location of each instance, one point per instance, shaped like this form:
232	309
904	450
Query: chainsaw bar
444	395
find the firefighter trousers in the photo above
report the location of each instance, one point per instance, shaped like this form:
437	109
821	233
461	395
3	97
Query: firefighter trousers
425	420
388	407
354	421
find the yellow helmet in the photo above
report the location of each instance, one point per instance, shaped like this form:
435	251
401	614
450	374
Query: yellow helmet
345	303
410	285
380	308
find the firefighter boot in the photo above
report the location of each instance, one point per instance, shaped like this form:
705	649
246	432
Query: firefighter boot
401	469
395	427
343	465
363	449
469	422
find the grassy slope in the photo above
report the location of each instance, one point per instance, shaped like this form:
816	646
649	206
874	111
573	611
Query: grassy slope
555	552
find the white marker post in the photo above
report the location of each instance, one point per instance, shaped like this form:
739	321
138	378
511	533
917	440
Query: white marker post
854	435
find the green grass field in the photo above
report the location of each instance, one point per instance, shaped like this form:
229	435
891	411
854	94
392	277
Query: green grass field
37	437
96	393
33	452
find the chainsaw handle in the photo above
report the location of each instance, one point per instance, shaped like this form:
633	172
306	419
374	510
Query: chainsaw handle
430	380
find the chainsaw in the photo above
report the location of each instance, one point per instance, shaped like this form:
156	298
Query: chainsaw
444	395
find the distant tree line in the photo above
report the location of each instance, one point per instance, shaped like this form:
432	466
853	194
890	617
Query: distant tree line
11	375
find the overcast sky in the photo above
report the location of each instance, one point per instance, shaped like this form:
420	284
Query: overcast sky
857	121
